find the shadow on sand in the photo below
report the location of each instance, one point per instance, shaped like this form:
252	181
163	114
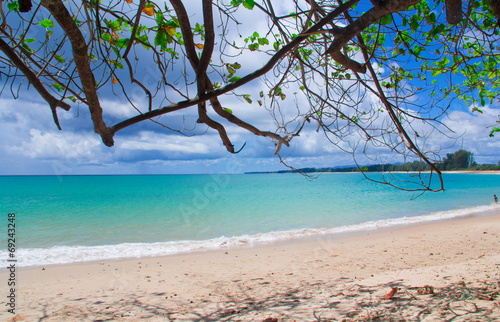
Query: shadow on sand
341	300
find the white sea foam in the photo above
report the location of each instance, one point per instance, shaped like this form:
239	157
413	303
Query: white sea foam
74	254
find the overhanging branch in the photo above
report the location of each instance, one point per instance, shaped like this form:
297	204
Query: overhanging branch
33	79
80	55
402	132
242	81
345	34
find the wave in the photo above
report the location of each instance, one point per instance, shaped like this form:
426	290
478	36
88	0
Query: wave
76	254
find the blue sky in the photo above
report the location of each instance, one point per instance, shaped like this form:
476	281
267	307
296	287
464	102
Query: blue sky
31	144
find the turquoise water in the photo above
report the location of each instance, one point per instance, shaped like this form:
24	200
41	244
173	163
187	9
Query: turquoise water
78	218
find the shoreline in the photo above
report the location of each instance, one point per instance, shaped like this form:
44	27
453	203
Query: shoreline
333	278
69	255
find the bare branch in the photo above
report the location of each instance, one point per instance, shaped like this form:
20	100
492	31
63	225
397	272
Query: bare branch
404	135
33	79
242	81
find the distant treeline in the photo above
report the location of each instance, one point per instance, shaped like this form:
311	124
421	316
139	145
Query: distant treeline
459	160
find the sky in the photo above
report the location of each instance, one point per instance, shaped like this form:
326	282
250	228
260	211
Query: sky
31	144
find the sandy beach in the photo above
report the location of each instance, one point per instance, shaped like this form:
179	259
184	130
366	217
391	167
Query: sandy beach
441	271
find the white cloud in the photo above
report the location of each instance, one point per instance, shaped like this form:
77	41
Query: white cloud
151	141
472	123
58	145
118	109
474	129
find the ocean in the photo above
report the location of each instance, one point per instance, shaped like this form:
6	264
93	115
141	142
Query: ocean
68	219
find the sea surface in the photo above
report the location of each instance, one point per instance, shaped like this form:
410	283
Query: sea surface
67	219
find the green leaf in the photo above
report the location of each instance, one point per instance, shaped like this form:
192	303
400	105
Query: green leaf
46	23
230	69
25	46
248	4
495	129
13	6
59	58
248	99
60	88
29	40
106	37
253	47
414	24
236	3
116	64
159	17
475	109
161	40
431	18
228	110
386	20
417	50
444	62
122	43
234	79
263	41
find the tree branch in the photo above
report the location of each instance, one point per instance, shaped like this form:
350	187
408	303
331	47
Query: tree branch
193	58
495	7
33	79
80	54
208	47
388	106
454	11
347	33
142	4
187	34
242	81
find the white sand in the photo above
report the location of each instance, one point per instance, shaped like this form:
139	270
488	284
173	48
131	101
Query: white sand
326	279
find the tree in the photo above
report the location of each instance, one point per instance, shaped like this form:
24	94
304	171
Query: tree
458	160
371	74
